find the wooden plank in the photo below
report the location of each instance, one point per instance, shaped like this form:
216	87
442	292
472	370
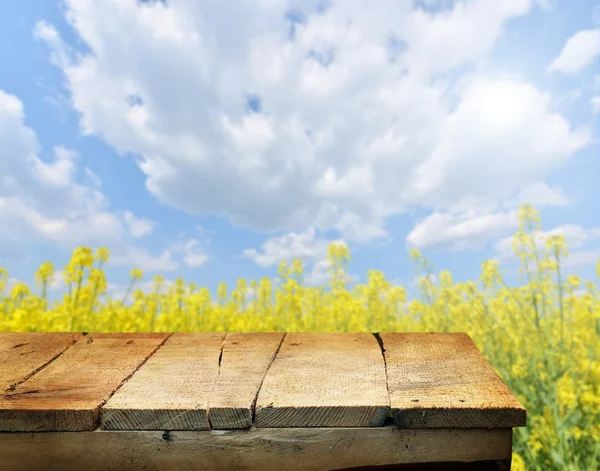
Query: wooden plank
67	394
442	380
292	449
245	361
325	380
172	390
22	354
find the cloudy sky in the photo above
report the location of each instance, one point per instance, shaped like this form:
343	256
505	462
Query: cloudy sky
212	140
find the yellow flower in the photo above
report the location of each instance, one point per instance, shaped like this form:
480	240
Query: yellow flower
577	433
19	290
534	444
567	395
45	273
517	463
102	255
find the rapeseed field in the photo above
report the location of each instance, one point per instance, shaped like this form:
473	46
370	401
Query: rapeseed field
542	336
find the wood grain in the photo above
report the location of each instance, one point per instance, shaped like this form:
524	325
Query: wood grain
22	354
172	390
245	361
292	449
68	392
325	380
442	380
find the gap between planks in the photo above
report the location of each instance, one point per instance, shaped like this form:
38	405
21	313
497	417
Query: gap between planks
133	372
67	393
63	342
438	380
333	379
197	381
253	408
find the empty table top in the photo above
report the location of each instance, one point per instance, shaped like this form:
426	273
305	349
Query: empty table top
207	381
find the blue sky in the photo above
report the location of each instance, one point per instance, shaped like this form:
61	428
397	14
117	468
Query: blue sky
211	143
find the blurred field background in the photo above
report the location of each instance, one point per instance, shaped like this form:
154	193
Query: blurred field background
542	337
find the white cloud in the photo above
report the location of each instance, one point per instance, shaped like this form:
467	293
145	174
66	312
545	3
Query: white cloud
58	282
63	153
138	227
501	165
472	223
47	202
575	236
319	274
41	200
538	195
306	246
582	258
192	250
460	231
135	257
194	256
518	140
195	259
580	51
350	130
467	32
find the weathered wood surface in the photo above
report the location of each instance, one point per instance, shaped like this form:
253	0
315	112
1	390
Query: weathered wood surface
442	380
67	393
246	359
55	381
292	449
171	391
194	382
22	354
325	380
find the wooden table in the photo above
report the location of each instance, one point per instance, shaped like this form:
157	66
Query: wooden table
260	401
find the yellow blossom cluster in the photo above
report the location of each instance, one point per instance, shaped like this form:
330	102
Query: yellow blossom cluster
542	337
